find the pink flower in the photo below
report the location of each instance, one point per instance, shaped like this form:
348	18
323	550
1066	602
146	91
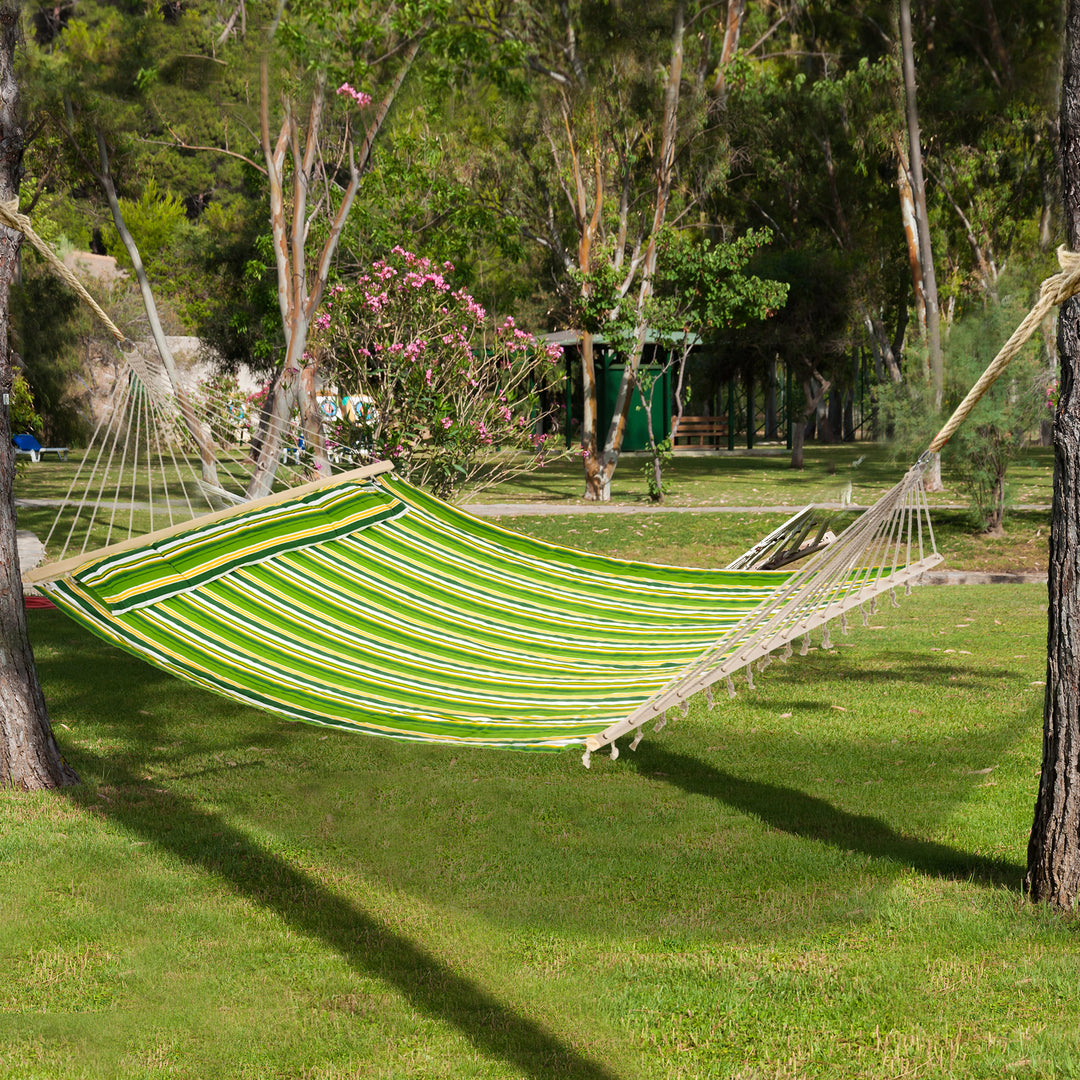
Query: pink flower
447	423
358	96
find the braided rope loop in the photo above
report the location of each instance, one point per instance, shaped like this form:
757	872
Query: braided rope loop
10	216
1053	292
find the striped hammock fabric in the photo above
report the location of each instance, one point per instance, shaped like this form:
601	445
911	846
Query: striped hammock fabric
371	606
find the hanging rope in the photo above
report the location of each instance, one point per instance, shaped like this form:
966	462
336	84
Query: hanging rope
10	216
1053	292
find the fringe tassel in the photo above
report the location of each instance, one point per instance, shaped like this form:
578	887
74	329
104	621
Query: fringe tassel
614	750
788	652
709	696
637	739
750	677
825	642
684	708
907	587
843	622
892	597
865	615
660	723
765	661
805	644
730	687
586	759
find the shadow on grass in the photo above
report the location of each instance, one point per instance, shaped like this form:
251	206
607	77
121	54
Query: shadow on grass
206	840
810	817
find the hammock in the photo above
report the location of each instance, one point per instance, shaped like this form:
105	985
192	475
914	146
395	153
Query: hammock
359	602
365	604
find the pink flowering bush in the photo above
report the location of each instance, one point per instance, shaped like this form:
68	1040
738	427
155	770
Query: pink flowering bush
358	96
450	395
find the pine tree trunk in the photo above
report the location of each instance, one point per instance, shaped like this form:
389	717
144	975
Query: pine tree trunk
1053	873
29	757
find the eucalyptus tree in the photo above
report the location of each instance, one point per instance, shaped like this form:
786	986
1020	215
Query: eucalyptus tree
616	143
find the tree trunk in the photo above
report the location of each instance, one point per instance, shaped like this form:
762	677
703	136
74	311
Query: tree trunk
932	477
594	491
1053	873
29	756
736	12
813	400
910	221
199	432
297	302
665	170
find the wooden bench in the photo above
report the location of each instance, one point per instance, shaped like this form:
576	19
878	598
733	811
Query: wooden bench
700	431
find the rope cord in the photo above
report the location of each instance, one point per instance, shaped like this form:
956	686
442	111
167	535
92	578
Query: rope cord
1053	292
10	216
862	562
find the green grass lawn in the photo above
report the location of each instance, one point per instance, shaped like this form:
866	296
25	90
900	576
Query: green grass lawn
821	876
699	538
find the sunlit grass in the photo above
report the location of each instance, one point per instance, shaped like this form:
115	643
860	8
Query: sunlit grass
856	473
699	538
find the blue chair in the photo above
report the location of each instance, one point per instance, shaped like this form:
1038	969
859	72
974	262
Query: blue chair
28	446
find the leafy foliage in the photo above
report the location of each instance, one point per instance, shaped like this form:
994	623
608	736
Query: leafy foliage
1001	424
23	417
1007	416
433	386
49	327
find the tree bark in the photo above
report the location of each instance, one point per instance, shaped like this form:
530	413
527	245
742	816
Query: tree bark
813	400
1053	872
910	221
932	476
665	171
736	12
29	756
199	432
298	302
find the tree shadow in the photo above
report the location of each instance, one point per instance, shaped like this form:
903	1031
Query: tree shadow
891	666
810	817
206	840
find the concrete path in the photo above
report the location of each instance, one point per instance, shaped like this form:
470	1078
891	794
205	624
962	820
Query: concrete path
31	550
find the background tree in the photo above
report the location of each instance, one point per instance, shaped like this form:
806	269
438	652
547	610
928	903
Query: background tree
29	756
1001	424
610	148
700	289
926	283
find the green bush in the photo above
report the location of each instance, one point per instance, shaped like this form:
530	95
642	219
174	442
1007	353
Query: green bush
1001	424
